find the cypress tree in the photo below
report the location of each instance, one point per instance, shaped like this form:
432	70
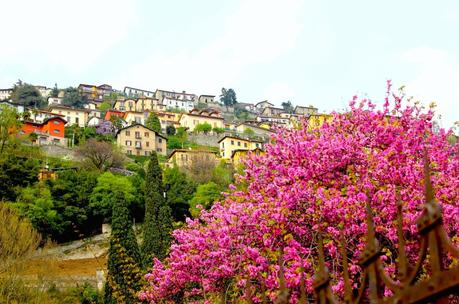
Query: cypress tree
124	278
157	225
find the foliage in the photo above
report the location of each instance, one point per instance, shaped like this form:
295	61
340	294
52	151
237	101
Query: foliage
16	172
223	175
72	98
124	278
79	135
201	106
249	132
179	140
100	155
106	130
153	122
204	197
311	179
203	127
287	106
218	130
9	125
103	196
170	130
241	114
180	190
228	97
117	122
27	95
157	224
55	91
104	106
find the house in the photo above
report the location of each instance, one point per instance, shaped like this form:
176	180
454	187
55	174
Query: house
19	108
139	105
125	105
300	110
238	155
184	158
40	116
110	113
245	106
55	100
94	121
194	117
133	92
93	92
243	128
230	143
178	103
139	140
132	117
50	131
206	99
259	106
161	94
168	119
274	121
272	111
5	94
317	120
44	91
73	116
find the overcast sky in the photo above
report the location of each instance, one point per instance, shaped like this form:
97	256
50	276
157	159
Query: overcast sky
309	52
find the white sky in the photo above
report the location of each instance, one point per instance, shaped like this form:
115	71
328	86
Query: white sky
309	52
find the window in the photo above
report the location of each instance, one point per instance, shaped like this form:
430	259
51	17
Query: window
182	157
56	122
128	133
245	145
128	143
223	145
232	142
56	131
159	149
76	120
256	145
160	140
137	134
146	134
238	143
129	152
147	144
147	153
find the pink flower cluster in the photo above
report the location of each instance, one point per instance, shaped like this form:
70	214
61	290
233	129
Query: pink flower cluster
313	179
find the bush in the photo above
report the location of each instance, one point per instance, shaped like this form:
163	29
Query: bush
218	130
204	127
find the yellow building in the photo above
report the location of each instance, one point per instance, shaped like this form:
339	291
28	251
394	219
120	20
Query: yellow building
238	155
195	117
73	116
140	140
135	117
317	120
185	158
228	144
168	119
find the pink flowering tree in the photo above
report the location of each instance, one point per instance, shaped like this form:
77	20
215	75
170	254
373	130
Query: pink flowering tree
311	180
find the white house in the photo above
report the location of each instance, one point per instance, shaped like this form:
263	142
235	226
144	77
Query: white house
179	102
54	101
5	94
133	92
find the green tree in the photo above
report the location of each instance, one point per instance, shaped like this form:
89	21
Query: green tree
203	127
205	195
72	98
170	130
223	174
179	140
16	172
27	95
228	97
287	106
124	277
100	155
55	91
249	132
103	195
153	122
241	114
180	190
157	224
218	130
105	106
9	125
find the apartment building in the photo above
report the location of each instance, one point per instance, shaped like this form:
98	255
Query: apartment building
139	140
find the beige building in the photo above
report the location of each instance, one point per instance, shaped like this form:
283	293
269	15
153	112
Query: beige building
169	119
206	99
184	158
229	144
257	131
135	117
194	117
141	141
73	116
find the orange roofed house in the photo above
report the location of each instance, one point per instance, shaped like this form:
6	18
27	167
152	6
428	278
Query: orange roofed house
50	131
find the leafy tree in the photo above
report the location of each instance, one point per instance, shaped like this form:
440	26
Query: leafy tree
9	125
55	91
27	95
16	172
35	203
205	195
116	121
124	278
241	114
157	224
203	127
180	190
170	130
103	195
223	174
72	98
179	140
218	130
153	122
104	106
287	106
249	132
228	97
100	155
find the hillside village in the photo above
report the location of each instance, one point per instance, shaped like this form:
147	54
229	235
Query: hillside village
225	129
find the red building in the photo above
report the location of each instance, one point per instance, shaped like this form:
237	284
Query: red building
50	131
111	113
